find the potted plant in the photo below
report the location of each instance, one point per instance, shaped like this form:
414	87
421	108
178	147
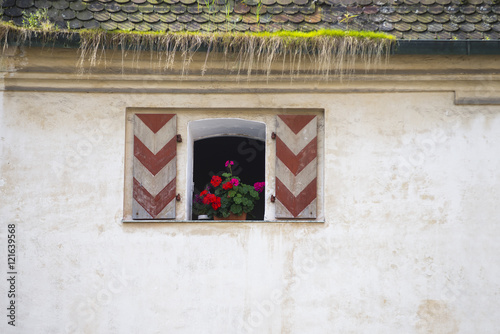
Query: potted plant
226	197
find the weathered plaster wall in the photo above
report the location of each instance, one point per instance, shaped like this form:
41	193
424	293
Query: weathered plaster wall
409	243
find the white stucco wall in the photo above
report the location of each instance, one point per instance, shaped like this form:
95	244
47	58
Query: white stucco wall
409	243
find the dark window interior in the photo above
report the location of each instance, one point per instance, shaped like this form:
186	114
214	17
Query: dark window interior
211	154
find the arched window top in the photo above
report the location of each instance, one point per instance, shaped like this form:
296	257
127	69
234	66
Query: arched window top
215	127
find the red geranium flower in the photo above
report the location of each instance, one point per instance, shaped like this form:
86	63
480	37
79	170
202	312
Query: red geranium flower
216	180
227	186
216	203
203	193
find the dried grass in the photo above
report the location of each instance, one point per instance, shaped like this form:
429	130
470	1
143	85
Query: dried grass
333	53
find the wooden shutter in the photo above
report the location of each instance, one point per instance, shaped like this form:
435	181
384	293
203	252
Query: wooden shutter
296	166
155	166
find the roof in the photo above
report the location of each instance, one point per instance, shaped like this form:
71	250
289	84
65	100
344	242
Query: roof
405	19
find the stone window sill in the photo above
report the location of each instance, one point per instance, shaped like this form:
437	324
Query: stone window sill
156	221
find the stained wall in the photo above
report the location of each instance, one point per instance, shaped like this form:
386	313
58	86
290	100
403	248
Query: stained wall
407	241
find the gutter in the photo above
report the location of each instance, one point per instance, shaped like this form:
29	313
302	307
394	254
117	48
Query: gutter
448	47
400	47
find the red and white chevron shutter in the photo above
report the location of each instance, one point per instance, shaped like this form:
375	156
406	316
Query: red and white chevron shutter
155	166
296	166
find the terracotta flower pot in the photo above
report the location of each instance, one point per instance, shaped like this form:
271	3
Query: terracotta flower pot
232	216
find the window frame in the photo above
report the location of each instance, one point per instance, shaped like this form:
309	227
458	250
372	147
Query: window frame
185	148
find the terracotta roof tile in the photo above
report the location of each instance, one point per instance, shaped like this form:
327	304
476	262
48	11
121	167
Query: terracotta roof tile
132	17
266	18
289	26
483	27
86	15
200	18
451	9
68	14
183	18
475	18
308	9
97	6
467	27
416	19
92	24
491	35
77	5
451	26
316	18
291	9
145	26
469	9
354	10
476	35
435	9
458	18
193	9
490	18
102	16
483	9
402	26
393	18
109	25
128	8
274	10
148	8
257	10
151	17
75	24
126	25
176	26
297	18
218	18
370	10
160	26
241	8
386	26
39	3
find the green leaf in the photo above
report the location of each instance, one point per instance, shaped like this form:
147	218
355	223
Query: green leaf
236	209
231	193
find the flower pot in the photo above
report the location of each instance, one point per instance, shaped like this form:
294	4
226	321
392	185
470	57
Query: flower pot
232	216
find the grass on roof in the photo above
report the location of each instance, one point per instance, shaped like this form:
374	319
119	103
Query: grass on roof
333	52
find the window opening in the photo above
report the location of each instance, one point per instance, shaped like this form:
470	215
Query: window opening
211	142
210	155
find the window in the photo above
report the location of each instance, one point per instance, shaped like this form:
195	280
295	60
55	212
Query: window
214	141
162	172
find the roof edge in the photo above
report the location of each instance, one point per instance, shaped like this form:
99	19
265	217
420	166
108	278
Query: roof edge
451	47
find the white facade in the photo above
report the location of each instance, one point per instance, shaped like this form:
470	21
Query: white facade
409	236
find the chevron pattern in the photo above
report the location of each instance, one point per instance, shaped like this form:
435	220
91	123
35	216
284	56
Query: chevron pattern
296	166
155	166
